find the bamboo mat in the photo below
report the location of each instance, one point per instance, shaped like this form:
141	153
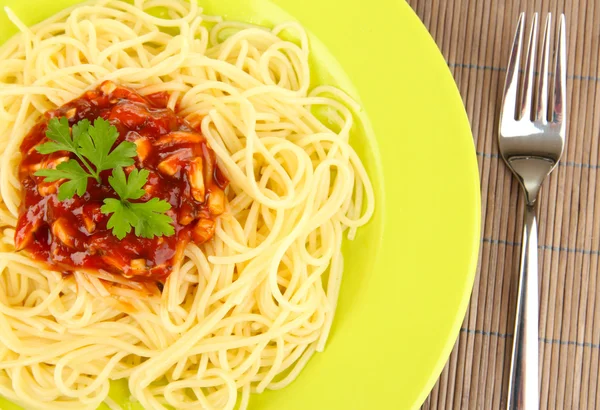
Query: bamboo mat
475	37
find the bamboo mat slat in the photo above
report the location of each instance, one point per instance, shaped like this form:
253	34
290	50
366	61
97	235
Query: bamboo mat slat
475	38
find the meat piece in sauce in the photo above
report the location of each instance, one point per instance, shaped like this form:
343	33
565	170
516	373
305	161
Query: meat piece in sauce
72	234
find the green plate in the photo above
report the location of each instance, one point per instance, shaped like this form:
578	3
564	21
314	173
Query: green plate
409	273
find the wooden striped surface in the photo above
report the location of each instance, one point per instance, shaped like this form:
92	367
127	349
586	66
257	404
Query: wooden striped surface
475	37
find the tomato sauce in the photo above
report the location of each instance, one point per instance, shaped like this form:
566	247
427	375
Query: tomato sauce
72	234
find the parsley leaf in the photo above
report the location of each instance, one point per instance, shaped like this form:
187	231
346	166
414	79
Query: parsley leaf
60	136
80	129
152	220
122	217
70	170
130	188
148	218
90	143
97	142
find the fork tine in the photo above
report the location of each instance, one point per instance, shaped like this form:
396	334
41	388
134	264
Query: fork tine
530	70
511	84
541	113
559	108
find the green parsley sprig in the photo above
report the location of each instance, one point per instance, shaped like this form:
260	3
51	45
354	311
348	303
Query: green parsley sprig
92	145
148	218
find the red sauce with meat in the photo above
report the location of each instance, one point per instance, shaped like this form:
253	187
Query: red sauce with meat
72	234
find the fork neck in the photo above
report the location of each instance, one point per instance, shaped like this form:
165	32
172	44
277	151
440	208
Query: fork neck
531	172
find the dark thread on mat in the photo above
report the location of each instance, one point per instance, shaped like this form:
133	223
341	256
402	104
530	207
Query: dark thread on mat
543	247
485	333
560	164
541	339
503	69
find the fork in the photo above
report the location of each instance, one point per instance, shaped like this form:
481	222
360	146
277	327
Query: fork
531	139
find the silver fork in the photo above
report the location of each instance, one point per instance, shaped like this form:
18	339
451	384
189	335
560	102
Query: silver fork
531	140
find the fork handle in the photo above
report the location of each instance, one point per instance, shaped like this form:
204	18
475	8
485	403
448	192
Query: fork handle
523	383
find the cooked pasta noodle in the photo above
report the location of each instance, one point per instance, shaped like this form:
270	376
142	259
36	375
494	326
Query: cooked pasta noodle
241	313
